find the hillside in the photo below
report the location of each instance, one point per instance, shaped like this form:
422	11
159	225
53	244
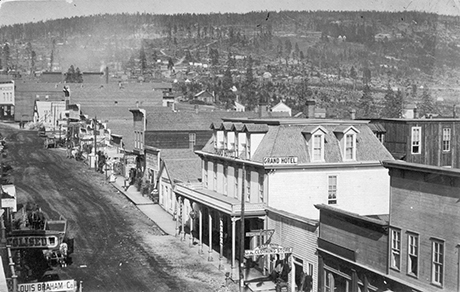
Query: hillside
406	50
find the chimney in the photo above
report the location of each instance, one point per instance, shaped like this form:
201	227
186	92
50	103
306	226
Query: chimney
454	113
415	113
353	114
309	109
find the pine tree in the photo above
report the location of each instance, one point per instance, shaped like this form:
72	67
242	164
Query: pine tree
142	58
392	104
6	56
69	77
367	107
427	105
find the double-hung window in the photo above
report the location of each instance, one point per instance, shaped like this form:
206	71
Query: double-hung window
318	147
437	262
415	141
350	146
332	189
236	174
248	185
395	260
412	254
214	184
261	187
446	136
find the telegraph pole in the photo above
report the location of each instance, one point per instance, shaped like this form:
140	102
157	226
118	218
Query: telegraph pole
95	143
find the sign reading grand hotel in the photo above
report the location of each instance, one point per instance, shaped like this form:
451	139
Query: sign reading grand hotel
284	160
66	285
44	242
267	249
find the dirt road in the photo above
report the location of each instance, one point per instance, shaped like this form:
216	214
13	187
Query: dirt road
117	248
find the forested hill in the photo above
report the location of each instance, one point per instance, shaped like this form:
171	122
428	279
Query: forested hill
396	48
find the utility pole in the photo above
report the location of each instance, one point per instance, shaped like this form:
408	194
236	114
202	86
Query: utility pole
95	143
242	233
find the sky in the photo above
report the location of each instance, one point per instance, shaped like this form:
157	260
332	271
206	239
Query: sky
22	11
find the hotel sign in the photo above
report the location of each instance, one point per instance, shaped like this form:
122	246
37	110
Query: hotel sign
66	285
283	160
43	242
266	249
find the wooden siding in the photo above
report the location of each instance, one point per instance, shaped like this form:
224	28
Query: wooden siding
427	205
398	141
369	242
302	237
176	140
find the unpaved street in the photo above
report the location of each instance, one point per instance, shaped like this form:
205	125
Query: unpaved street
117	248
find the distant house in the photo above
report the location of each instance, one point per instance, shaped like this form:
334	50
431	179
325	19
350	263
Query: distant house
7	99
380	37
94	77
205	96
239	107
168	98
282	107
49	113
51	77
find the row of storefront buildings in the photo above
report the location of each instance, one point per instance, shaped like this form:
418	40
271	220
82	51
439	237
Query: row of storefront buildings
326	196
347	205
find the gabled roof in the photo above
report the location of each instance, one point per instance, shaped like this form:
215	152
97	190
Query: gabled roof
310	129
344	129
255	128
183	165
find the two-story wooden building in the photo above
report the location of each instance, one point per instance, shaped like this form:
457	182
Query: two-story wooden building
423	237
281	168
352	252
425	141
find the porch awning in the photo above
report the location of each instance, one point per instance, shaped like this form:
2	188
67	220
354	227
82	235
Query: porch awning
217	201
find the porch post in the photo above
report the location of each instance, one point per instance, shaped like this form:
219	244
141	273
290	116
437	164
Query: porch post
221	240
234	272
177	215
210	236
200	230
182	217
192	222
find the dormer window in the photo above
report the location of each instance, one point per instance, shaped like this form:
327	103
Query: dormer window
315	136
347	137
350	146
318	147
